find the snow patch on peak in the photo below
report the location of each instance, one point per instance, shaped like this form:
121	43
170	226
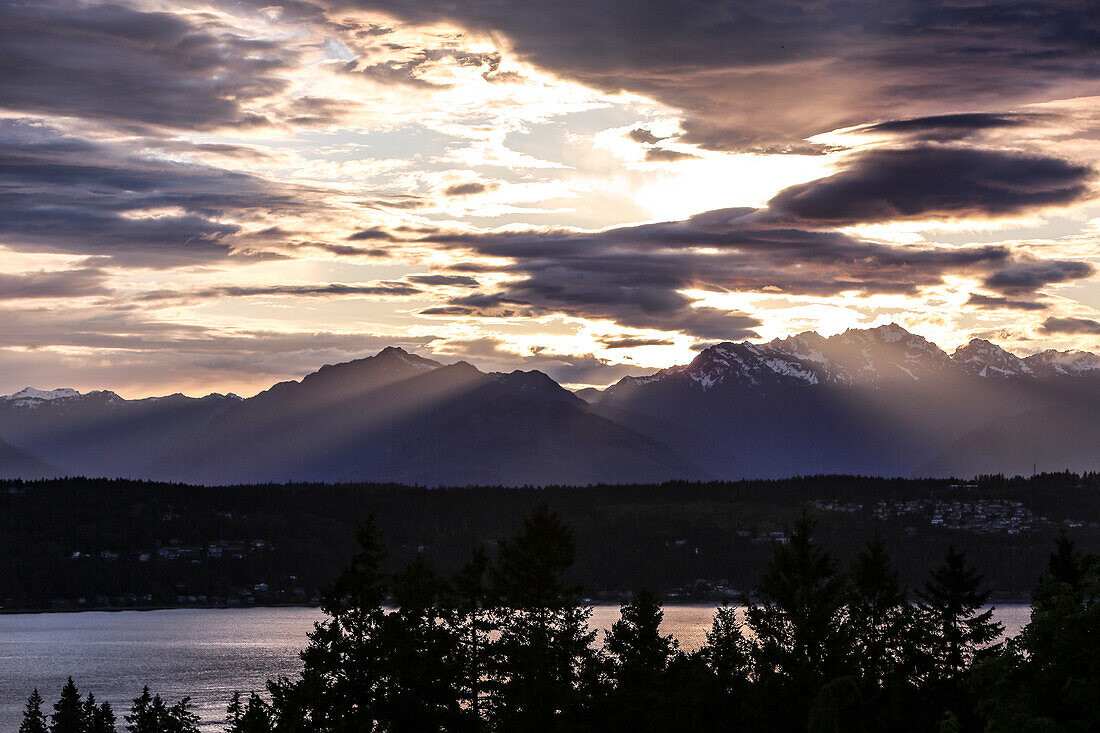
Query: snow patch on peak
1073	362
985	359
791	369
29	394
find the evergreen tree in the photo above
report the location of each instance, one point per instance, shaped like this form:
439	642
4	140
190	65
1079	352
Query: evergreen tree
953	629
289	708
179	718
543	648
1049	676
346	660
885	644
256	717
98	718
69	715
470	619
880	617
801	633
727	655
727	651
104	720
234	712
419	694
949	610
34	720
143	716
150	714
640	659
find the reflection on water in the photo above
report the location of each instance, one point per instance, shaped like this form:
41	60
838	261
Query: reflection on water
208	653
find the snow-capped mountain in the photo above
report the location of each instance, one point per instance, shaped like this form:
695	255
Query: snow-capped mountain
984	359
879	401
31	397
874	356
1071	363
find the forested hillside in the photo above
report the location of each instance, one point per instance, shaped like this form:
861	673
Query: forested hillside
71	544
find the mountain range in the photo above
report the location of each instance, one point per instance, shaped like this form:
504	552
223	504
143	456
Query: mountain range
879	401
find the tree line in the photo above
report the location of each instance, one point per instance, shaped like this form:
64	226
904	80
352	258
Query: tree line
503	645
663	537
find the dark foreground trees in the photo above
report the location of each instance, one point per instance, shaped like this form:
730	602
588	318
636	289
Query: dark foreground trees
75	714
504	647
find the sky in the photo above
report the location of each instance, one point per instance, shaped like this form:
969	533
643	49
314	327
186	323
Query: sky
215	196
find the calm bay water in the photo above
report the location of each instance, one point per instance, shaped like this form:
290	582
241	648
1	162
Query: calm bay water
208	653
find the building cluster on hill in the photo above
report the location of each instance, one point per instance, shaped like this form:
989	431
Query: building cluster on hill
979	516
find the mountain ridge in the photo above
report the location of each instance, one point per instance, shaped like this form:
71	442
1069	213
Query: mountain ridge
877	401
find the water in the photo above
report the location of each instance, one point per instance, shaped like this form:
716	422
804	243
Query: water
209	653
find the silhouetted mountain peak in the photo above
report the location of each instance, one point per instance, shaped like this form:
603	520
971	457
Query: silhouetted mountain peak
536	384
398	355
985	359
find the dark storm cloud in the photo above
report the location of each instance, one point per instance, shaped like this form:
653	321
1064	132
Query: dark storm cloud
951	126
630	342
469	188
755	75
635	276
1084	326
112	63
406	202
372	234
662	155
992	302
406	287
931	181
60	193
642	135
456	281
392	289
58	284
1027	276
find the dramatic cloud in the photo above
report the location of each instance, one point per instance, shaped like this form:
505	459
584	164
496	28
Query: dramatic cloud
636	275
1029	275
455	281
952	127
766	76
631	342
933	182
662	155
993	302
469	188
57	284
393	289
239	189
642	135
111	62
60	193
1072	326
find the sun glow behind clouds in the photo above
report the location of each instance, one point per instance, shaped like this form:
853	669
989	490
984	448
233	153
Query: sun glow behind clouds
357	133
